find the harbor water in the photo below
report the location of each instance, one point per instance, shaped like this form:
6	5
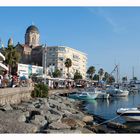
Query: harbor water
106	108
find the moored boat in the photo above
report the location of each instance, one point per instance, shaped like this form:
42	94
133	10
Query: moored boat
130	114
117	92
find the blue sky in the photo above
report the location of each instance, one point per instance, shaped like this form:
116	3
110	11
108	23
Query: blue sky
108	35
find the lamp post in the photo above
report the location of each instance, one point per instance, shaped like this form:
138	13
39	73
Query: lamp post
45	51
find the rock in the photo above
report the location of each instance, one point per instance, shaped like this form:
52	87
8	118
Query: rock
14	127
39	121
56	111
6	107
52	117
70	122
85	130
87	119
27	113
75	116
66	113
80	123
116	125
58	126
22	118
65	131
9	123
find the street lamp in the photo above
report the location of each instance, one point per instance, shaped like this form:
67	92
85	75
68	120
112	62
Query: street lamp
45	52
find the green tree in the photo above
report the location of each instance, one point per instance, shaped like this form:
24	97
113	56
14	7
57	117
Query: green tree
124	79
96	77
106	76
101	73
111	79
68	64
77	75
56	73
91	70
12	57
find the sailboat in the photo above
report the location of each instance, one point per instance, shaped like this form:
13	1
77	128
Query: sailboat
116	90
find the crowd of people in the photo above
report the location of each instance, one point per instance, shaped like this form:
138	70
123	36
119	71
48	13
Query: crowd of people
14	81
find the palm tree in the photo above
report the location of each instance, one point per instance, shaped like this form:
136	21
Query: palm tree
106	76
96	77
56	73
68	64
91	70
12	57
101	73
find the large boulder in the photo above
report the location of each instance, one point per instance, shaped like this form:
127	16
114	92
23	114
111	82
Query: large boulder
58	126
52	117
22	118
6	107
12	122
80	123
39	120
87	119
70	122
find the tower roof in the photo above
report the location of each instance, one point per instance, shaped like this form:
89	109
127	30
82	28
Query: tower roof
32	28
10	41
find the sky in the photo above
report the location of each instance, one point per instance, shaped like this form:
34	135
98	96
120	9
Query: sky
108	35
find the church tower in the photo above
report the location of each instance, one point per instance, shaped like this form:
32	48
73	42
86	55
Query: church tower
10	42
32	36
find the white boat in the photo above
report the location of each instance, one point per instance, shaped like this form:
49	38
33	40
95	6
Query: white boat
130	114
93	93
117	92
87	95
103	95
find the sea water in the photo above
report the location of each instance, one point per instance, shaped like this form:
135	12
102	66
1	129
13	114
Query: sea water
107	108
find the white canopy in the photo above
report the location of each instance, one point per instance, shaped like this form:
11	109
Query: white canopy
3	67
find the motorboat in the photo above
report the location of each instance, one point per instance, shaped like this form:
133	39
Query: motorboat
93	93
130	114
117	92
87	95
103	95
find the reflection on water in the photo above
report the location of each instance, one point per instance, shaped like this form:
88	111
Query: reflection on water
106	108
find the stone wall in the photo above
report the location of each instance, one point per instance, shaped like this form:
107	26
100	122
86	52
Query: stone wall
14	95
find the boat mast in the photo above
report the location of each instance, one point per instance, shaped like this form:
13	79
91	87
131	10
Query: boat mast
133	72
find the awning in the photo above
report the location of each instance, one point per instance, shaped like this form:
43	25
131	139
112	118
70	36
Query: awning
2	58
3	67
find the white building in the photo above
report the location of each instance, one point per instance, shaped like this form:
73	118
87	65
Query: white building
57	55
26	70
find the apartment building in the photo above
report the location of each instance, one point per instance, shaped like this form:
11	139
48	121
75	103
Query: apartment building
56	56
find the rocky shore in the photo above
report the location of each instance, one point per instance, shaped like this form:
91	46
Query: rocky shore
55	114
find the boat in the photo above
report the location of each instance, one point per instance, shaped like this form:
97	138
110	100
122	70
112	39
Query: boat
103	95
130	114
92	93
88	95
117	92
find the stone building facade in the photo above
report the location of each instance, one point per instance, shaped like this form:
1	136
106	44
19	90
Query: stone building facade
31	51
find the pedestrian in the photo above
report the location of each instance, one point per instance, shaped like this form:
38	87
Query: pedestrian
0	82
29	82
